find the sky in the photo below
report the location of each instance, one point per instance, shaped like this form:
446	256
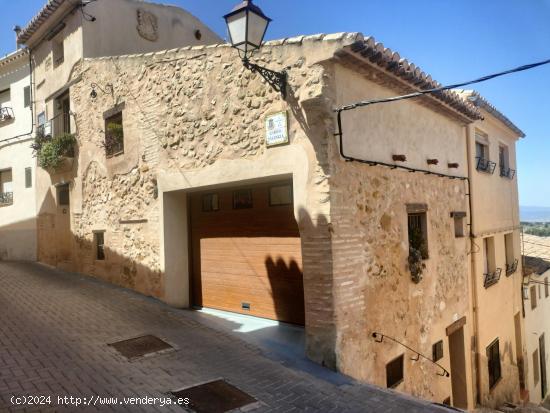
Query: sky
452	40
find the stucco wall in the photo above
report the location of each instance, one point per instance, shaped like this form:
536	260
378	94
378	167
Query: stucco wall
495	208
536	324
115	30
373	287
18	220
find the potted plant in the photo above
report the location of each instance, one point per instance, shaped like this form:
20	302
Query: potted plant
54	154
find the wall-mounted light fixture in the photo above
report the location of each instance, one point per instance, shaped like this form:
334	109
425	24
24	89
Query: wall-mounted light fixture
108	86
247	25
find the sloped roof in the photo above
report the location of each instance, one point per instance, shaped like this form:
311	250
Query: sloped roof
536	252
38	20
378	55
479	101
12	57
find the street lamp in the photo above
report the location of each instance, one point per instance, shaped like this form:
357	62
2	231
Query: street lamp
247	25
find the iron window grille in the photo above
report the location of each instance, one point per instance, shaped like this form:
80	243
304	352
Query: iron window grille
6	198
394	372
506	172
437	351
485	165
6	114
512	268
493	361
99	238
491	278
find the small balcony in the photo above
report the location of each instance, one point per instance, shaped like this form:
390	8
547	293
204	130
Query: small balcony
492	278
507	172
485	165
6	115
512	268
6	199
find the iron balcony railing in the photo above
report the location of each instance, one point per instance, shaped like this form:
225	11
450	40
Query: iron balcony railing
485	165
57	125
506	172
512	268
6	198
6	114
491	278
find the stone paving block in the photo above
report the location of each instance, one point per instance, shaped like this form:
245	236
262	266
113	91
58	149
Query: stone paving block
58	325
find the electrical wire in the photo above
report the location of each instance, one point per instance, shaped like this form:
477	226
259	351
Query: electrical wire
442	88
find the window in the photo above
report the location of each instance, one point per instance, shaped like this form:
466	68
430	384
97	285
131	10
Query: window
114	134
490	272
482	150
437	351
6	188
503	158
536	371
394	372
493	360
418	230
28	177
280	195
533	297
58	51
210	203
242	199
6	112
459	223
511	261
27	96
484	163
63	197
546	292
99	242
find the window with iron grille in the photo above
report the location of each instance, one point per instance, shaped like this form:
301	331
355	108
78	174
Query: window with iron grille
536	372
6	187
533	297
28	177
394	372
114	135
437	351
99	241
493	360
210	203
63	195
27	96
418	233
546	292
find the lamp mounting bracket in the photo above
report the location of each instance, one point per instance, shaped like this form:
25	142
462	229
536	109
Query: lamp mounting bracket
277	80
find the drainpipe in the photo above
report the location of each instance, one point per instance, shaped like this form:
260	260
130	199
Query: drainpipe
473	268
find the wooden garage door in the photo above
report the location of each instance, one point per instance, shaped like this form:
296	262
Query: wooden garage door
247	253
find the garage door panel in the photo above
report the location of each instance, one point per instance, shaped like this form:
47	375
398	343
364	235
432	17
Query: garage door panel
250	256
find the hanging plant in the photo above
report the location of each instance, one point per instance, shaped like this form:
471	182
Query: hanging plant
51	152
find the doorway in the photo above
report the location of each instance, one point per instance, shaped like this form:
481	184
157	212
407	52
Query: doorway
457	354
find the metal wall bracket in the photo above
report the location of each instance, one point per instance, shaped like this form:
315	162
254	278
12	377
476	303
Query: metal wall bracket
277	80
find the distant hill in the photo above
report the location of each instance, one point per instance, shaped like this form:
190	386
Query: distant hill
534	214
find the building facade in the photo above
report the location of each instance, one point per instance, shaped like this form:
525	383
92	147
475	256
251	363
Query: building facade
17	166
536	296
192	206
496	256
60	36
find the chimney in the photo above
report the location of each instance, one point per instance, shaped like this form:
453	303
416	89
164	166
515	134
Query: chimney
17	30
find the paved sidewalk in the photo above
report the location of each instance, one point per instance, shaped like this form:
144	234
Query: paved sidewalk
54	330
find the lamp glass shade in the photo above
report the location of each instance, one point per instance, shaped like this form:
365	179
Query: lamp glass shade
247	26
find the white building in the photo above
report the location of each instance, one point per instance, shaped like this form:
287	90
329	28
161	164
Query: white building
17	166
537	310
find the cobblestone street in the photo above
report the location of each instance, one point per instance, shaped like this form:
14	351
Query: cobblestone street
55	328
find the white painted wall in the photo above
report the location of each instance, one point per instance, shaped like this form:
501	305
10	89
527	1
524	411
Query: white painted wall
536	324
17	221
